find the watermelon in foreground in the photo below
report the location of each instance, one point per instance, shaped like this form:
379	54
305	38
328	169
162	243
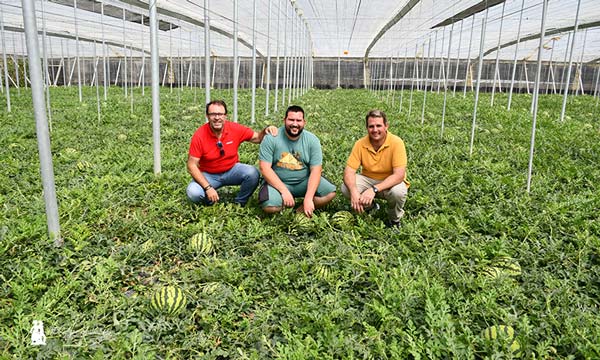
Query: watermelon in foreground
168	300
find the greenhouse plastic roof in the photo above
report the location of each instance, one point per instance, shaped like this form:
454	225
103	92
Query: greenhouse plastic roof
345	28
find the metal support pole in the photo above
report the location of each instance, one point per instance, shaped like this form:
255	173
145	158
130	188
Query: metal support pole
446	76
104	67
207	70
536	93
479	68
581	64
268	89
514	68
235	60
496	70
457	56
41	123
403	77
468	68
154	58
426	81
6	83
277	60
567	80
77	50
253	111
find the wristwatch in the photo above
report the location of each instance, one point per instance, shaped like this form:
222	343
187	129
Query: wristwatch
375	189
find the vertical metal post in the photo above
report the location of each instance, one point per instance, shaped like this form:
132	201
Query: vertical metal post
458	56
434	60
498	56
446	76
412	83
207	70
468	68
285	57
8	108
275	104
426	81
253	111
441	74
77	50
41	123
143	69
568	78
403	77
514	68
536	93
104	74
154	58
124	57
479	68
268	90
580	65
564	67
235	60
550	71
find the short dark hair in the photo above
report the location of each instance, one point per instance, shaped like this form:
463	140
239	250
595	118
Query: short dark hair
217	102
375	114
294	108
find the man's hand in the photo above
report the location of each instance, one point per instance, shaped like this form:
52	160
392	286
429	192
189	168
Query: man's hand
212	195
367	197
309	207
356	203
288	199
272	130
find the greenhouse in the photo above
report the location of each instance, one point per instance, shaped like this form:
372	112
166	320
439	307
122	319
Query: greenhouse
105	254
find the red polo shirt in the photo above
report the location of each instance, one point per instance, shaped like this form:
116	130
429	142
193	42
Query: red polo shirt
204	146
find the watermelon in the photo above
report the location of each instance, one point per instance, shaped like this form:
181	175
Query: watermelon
322	272
507	265
168	300
201	243
301	224
342	220
503	333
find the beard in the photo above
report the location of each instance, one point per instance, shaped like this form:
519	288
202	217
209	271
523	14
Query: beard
289	132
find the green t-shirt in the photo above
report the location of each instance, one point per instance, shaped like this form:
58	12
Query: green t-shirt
291	159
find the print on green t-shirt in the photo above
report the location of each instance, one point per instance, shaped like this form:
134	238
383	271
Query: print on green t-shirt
291	159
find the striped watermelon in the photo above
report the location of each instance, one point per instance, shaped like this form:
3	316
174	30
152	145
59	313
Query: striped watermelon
507	265
301	224
322	272
503	333
201	243
342	220
168	300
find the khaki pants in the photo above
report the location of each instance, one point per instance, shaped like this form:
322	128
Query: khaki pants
396	196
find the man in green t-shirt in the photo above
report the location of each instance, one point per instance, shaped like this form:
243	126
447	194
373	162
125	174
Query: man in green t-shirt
291	164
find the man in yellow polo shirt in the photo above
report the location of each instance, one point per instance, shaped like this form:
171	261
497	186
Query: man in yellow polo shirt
382	157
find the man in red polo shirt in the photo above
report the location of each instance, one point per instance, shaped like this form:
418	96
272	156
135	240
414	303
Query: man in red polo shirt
213	159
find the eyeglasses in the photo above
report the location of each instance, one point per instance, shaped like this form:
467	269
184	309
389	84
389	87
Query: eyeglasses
214	115
220	146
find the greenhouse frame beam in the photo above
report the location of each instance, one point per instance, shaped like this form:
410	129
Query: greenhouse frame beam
592	24
477	8
72	37
190	20
399	16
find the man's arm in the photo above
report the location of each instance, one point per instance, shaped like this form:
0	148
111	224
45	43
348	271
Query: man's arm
258	136
192	167
394	179
350	182
311	188
266	169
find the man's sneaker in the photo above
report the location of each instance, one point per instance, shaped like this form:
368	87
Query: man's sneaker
392	224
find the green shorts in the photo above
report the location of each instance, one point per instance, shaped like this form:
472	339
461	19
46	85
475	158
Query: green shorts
269	196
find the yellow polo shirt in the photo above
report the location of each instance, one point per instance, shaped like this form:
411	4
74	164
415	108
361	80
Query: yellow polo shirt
378	164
